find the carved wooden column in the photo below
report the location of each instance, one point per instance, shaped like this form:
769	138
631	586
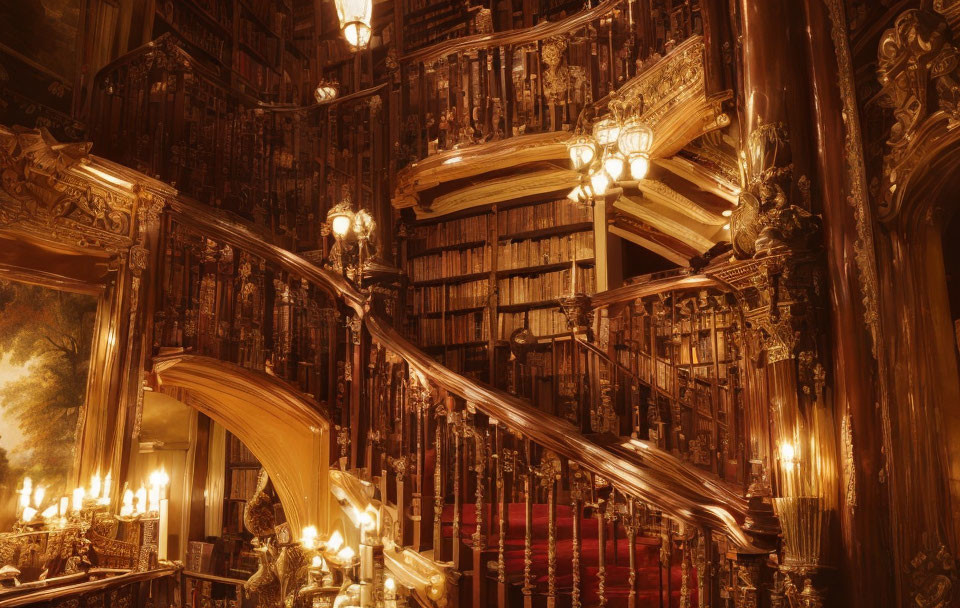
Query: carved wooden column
775	226
852	280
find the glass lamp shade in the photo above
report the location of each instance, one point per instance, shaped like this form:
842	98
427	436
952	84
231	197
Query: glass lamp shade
582	152
599	181
340	218
355	17
606	131
639	165
325	92
357	34
613	165
635	138
363	224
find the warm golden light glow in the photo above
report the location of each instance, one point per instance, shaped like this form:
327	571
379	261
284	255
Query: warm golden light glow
355	17
787	452
639	166
606	131
335	542
635	138
582	152
308	537
613	165
325	92
599	181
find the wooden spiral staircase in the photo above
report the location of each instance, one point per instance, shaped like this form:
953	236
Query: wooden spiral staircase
525	507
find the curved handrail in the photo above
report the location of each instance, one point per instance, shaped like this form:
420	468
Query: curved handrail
657	477
541	31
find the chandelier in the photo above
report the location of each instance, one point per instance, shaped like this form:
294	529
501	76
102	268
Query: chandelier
617	142
355	17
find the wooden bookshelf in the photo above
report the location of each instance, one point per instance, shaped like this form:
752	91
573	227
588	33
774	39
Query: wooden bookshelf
240	481
684	349
478	276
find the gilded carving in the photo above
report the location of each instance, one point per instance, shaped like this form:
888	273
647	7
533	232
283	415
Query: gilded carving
556	78
933	576
917	66
856	172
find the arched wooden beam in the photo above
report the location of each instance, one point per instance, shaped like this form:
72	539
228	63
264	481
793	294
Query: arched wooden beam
280	425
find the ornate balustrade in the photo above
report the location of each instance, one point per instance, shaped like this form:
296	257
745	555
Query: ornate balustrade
464	465
493	101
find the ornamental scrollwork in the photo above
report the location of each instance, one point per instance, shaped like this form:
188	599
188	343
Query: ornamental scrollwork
918	68
45	189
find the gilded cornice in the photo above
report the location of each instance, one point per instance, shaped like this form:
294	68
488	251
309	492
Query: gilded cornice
658	191
62	194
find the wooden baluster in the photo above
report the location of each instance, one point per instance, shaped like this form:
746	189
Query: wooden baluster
580	487
421	402
505	462
631	526
479	534
438	466
528	529
457	491
601	553
666	559
549	473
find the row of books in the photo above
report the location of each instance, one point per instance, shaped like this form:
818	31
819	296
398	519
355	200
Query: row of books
540	321
451	232
523	289
238	453
436	298
265	11
541	216
454	329
254	36
243	482
251	69
518	254
191	29
448	264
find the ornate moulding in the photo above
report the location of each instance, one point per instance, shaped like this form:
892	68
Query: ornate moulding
280	426
918	66
676	107
72	220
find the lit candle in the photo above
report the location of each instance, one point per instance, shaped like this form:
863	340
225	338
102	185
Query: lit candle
105	498
164	528
308	537
25	491
50	512
38	496
77	500
64	504
126	509
141	500
573	277
154	495
28	514
335	542
95	485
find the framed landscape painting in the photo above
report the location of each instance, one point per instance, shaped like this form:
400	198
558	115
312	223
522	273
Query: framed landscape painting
45	344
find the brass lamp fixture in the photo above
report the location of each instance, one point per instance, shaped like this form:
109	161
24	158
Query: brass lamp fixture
353	231
326	91
619	142
355	17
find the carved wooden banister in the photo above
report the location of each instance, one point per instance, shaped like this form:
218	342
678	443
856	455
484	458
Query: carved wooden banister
530	35
658	478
